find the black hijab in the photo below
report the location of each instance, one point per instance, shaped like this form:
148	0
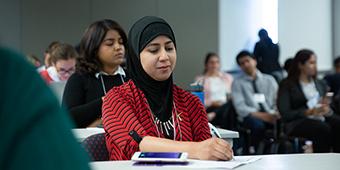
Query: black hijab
158	93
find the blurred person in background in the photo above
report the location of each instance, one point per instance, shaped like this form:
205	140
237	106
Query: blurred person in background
305	107
267	56
63	58
47	56
216	87
333	79
254	98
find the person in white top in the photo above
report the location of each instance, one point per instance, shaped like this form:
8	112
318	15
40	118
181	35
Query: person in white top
304	103
217	87
63	59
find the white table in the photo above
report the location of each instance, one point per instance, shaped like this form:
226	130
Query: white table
328	161
228	135
82	134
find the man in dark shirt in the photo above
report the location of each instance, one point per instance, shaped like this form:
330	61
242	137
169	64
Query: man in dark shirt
333	80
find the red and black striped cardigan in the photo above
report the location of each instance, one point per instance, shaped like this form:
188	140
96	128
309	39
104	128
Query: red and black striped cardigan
125	108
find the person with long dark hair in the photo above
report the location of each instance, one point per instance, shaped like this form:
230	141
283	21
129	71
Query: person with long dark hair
102	51
160	116
217	88
304	106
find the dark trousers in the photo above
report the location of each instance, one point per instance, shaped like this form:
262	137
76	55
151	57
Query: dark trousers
258	129
221	119
325	135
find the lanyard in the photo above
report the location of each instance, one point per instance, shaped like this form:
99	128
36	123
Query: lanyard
103	84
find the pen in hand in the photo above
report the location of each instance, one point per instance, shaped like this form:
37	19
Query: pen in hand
217	134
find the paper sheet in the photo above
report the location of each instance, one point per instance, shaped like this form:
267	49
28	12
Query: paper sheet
199	164
238	161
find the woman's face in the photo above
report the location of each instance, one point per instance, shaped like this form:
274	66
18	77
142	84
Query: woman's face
213	64
158	58
111	51
65	68
309	68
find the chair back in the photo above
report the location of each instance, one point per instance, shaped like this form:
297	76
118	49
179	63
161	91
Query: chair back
95	146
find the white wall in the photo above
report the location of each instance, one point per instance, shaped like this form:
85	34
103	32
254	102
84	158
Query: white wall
239	23
306	24
301	24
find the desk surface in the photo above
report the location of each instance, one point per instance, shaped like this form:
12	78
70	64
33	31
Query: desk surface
81	134
328	161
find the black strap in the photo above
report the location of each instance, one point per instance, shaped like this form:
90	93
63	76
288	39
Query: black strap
135	136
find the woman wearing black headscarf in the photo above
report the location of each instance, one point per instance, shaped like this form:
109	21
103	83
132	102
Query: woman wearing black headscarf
165	117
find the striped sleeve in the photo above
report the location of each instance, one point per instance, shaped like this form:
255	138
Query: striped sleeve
119	119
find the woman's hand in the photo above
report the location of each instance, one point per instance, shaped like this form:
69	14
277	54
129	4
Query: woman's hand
212	149
322	110
318	111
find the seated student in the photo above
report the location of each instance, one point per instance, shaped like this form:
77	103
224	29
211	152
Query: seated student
102	50
254	98
63	59
335	105
47	56
36	132
333	80
216	86
166	117
302	105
